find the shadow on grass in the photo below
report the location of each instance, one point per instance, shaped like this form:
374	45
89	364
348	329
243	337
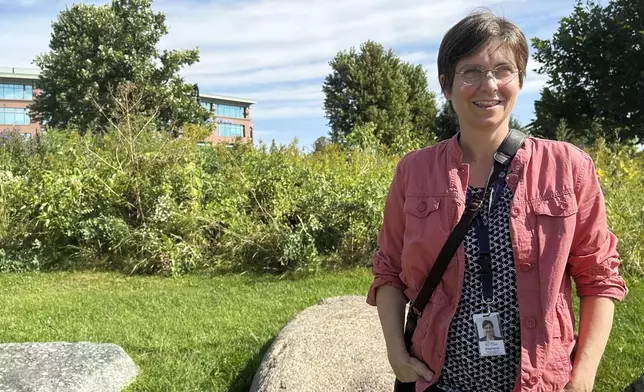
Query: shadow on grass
244	379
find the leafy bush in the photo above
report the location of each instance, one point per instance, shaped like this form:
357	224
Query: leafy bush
140	201
137	200
621	173
298	212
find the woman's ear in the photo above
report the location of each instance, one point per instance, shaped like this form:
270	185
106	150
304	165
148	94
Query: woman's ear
446	92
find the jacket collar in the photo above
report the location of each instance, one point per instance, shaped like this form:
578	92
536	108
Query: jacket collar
520	159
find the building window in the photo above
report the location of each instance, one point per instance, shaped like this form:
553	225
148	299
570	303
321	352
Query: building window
16	91
229	111
14	116
207	106
230	130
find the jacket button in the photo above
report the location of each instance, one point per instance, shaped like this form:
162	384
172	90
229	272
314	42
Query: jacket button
513	178
515	211
422	206
531	323
525	267
533	381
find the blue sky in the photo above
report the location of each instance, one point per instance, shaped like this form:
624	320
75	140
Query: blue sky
276	52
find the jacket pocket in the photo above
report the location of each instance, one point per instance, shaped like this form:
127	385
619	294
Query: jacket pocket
426	229
419	335
559	366
425	218
554	224
567	337
423	338
421	206
559	206
564	318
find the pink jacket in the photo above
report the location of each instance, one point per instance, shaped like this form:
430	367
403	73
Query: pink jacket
558	230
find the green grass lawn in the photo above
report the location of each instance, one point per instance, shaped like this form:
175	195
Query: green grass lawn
200	333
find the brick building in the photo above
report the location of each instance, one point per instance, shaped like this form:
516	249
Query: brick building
17	91
230	116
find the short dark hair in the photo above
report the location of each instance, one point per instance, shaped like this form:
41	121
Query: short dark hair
470	34
487	322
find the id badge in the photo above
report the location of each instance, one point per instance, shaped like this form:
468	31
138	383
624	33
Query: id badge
488	326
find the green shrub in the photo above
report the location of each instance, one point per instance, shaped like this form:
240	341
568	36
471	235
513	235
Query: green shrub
301	212
137	200
621	173
140	201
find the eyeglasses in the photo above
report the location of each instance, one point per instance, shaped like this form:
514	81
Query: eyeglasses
476	75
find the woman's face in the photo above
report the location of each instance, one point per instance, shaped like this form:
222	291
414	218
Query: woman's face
489	330
486	103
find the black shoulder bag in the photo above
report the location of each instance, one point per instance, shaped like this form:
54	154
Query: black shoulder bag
502	158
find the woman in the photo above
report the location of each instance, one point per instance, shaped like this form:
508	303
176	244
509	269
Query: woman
546	226
488	327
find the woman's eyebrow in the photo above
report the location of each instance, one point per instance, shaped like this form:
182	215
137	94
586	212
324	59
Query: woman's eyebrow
467	66
497	64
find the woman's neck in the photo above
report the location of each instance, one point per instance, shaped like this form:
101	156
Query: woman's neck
479	146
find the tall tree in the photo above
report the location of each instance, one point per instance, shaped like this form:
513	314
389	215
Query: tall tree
321	143
515	123
374	86
596	83
446	122
94	50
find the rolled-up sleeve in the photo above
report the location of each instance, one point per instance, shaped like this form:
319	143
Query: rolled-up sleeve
594	260
386	261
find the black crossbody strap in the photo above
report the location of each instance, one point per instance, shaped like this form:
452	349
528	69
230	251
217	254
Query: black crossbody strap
511	144
506	151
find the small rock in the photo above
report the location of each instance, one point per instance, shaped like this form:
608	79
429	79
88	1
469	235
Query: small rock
58	367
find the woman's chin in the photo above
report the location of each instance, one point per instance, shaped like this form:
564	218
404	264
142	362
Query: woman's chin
491	122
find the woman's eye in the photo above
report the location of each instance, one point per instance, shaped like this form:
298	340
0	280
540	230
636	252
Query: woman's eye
504	71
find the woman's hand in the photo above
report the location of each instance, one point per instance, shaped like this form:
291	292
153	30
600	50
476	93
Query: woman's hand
577	384
409	369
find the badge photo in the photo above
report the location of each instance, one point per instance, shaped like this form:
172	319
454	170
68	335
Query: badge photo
490	337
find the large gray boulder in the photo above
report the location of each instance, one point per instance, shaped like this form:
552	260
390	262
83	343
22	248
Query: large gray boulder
58	367
336	345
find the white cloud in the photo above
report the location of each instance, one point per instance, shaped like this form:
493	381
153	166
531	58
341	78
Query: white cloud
259	49
533	65
268	22
534	82
301	110
419	57
22	39
259	34
290	73
310	92
19	3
